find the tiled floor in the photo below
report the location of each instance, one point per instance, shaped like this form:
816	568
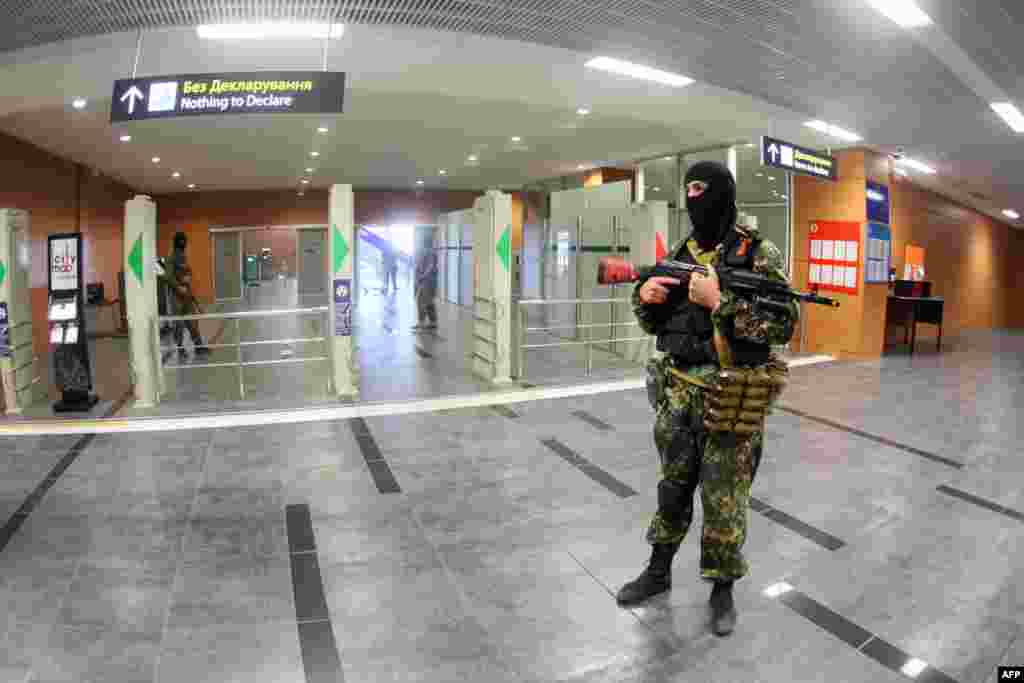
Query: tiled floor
165	556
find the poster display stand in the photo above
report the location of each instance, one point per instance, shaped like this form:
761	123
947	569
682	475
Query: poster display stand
66	316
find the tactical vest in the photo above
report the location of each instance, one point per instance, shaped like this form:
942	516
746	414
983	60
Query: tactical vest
687	334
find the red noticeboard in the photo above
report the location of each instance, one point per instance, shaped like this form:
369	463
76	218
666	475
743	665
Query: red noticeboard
834	249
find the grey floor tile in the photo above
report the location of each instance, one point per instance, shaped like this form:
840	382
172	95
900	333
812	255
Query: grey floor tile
231	653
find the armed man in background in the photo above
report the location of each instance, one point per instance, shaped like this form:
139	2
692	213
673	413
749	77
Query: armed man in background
426	284
178	277
710	389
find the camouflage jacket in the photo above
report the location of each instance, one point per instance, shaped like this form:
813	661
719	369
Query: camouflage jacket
737	319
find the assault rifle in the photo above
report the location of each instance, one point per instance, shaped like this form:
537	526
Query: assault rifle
772	295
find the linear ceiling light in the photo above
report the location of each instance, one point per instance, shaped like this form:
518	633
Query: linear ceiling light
917	166
262	31
1010	213
834	131
617	66
906	13
1010	114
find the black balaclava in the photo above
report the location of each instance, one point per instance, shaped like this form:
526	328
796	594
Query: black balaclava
714	212
180	240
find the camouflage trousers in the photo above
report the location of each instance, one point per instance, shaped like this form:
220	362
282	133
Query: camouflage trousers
724	464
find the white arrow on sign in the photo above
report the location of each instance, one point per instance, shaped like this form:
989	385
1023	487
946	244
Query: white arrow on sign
132	95
773	151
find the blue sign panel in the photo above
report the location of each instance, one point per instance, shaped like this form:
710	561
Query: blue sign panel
878	253
343	307
878	203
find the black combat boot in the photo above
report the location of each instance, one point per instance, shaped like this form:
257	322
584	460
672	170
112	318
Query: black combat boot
723	612
657	578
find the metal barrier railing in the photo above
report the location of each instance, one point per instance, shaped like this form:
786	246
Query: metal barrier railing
321	311
589	343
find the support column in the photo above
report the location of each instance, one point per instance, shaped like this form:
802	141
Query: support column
19	369
341	219
493	305
141	299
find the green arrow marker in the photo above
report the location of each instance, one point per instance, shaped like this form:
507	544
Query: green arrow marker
505	246
340	249
135	259
3	272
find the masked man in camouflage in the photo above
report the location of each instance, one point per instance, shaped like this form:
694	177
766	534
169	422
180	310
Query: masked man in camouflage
701	331
178	277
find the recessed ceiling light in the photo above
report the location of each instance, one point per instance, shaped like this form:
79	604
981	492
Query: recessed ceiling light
781	77
191	186
655	189
472	157
759	175
302	194
582	111
79	103
126	138
617	66
834	131
322	129
309	170
156	160
1010	213
263	30
917	166
305	182
443	172
782	196
516	138
751	145
175	175
1010	114
314	154
904	12
580	167
419	182
667	158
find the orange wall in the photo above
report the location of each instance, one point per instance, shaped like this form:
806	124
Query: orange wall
62	196
830	330
969	259
196	212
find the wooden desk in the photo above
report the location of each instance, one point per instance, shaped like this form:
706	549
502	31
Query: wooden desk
908	311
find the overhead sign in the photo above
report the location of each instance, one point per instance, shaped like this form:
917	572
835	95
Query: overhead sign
264	92
64	266
790	157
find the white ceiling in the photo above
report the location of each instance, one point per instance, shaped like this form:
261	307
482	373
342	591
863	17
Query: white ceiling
422	99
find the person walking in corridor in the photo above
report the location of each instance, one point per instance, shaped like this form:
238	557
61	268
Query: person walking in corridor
710	390
390	268
426	287
179	281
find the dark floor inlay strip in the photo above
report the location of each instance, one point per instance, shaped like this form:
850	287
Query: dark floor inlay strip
588	468
593	421
32	500
822	538
319	650
505	411
882	651
381	472
873	437
981	502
